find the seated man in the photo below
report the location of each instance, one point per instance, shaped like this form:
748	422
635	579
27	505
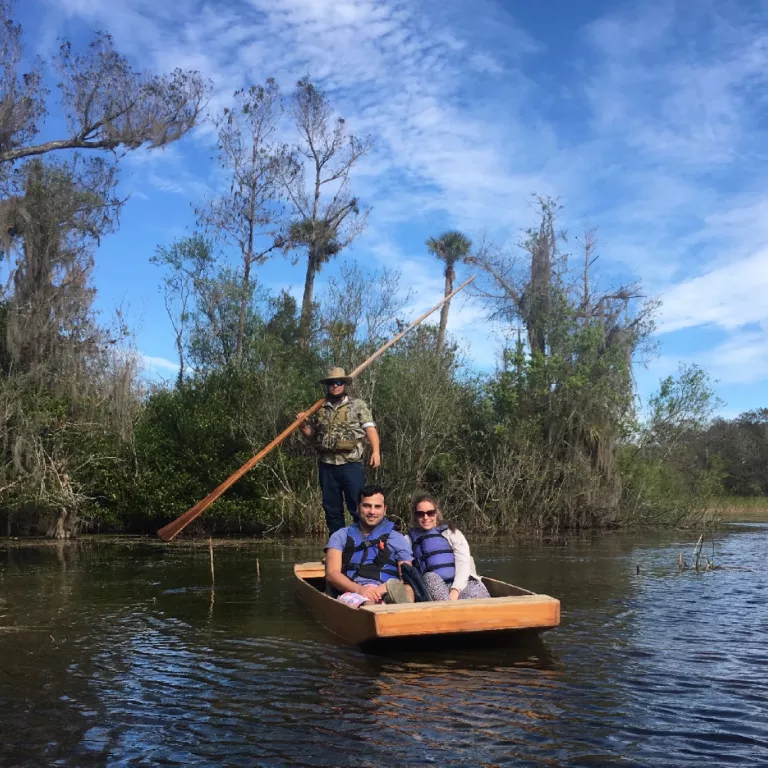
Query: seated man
362	560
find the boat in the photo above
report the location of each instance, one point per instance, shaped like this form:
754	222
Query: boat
509	610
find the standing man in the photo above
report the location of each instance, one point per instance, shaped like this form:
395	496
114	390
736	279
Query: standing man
338	432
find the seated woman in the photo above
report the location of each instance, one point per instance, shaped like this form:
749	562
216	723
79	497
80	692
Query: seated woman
441	554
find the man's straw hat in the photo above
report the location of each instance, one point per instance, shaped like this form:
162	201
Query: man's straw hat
336	374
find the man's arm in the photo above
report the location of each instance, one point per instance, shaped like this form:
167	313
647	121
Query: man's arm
369	427
340	582
373	439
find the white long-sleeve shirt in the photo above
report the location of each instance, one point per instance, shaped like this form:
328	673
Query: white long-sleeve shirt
465	563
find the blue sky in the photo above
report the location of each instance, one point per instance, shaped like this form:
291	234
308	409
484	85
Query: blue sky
648	119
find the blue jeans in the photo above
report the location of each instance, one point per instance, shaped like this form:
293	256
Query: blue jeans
340	483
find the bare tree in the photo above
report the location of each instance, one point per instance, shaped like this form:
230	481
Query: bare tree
107	105
514	294
188	264
327	216
451	248
248	216
372	304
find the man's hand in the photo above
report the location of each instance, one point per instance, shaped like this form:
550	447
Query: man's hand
304	426
453	594
369	592
375	461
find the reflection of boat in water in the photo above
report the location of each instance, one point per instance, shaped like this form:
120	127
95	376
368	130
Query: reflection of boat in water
510	609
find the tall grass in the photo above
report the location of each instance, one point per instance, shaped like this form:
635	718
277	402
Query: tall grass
742	507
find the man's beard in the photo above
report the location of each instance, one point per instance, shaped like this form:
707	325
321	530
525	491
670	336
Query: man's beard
335	398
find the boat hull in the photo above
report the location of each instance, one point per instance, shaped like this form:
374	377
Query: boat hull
510	609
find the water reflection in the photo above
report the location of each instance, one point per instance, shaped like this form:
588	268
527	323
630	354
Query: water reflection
116	655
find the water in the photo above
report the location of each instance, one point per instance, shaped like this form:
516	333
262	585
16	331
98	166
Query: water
116	655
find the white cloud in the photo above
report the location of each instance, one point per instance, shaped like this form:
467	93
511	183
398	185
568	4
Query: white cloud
159	363
743	358
728	297
484	62
683	101
392	71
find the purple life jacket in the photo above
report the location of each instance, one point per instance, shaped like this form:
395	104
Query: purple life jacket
432	553
369	558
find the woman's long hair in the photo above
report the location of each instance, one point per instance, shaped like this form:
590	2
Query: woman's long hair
435	502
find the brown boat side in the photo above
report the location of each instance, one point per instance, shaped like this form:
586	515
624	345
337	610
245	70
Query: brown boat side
482	615
350	624
509	609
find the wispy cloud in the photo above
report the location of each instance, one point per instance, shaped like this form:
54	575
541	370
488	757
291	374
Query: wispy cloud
393	72
154	363
728	297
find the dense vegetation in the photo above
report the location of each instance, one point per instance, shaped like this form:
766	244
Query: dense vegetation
551	440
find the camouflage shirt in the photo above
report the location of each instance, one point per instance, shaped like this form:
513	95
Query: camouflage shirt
339	431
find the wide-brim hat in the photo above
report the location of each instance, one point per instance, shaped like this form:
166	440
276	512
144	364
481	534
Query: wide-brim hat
336	374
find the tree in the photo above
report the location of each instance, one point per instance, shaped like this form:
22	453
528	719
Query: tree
216	321
248	217
570	387
69	390
683	406
664	477
107	105
451	248
327	217
64	210
742	446
66	399
188	263
283	323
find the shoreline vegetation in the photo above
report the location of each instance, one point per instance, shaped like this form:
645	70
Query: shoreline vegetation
552	440
741	508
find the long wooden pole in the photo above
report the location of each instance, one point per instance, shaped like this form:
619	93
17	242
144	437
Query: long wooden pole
171	530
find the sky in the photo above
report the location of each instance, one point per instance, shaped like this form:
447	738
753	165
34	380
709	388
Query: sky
648	120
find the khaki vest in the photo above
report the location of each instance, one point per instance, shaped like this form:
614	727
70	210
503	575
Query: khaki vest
335	433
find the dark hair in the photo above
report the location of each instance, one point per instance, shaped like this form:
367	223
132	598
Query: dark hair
418	498
370	490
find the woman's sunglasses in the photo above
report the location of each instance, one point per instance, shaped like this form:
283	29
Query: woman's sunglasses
426	512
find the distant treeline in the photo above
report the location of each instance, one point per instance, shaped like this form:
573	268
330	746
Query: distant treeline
551	440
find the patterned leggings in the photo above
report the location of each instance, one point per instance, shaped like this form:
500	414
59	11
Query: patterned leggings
438	589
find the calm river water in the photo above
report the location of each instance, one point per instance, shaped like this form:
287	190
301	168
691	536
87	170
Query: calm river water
115	654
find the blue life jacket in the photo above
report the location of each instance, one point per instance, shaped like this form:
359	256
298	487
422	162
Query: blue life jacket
369	557
432	553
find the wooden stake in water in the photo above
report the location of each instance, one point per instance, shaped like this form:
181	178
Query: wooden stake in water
213	575
258	570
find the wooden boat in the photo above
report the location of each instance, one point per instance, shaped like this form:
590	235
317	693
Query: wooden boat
509	609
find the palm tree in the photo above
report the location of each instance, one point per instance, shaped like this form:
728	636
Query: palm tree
451	247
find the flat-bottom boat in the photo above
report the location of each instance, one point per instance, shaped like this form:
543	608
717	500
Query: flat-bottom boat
510	609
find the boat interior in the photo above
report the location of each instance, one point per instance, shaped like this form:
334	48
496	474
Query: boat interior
314	575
